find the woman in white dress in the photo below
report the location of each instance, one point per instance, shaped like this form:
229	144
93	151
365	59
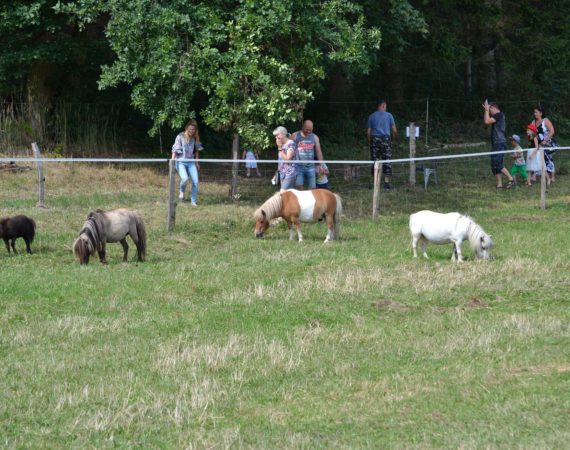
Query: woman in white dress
546	140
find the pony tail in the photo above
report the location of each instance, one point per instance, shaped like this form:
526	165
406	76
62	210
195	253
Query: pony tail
141	233
337	213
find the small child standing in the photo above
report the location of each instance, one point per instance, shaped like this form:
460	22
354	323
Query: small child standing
533	165
251	161
520	165
322	178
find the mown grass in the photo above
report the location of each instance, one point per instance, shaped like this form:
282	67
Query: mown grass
221	340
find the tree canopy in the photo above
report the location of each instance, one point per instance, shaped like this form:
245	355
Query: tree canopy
256	63
245	66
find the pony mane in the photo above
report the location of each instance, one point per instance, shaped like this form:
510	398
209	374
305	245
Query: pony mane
92	230
474	233
272	207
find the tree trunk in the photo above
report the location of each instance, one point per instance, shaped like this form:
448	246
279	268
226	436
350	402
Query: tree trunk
235	167
488	73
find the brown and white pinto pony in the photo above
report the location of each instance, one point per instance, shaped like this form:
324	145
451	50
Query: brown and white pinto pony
110	226
300	206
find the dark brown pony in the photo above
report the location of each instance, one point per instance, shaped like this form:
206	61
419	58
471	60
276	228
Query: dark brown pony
110	226
12	228
301	206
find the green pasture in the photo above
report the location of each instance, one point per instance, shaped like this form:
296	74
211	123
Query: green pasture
220	340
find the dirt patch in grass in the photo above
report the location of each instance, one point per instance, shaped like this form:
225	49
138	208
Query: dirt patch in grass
540	370
476	303
390	305
525	218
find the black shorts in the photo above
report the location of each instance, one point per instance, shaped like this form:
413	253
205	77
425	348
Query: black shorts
497	158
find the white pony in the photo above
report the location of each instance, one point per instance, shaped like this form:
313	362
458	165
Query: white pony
449	228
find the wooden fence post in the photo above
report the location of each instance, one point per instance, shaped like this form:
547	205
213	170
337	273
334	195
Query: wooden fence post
376	195
412	154
542	179
171	218
41	178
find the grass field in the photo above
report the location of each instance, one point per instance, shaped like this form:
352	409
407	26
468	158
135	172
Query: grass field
220	340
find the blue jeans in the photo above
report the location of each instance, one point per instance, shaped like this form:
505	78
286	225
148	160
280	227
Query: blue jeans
188	170
306	174
287	181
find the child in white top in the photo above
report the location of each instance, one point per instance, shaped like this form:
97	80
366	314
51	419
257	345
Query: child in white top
251	161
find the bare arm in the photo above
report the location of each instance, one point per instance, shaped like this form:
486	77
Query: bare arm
318	151
550	130
368	134
487	115
487	118
394	132
287	154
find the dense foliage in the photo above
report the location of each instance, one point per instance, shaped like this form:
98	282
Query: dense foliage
256	63
245	66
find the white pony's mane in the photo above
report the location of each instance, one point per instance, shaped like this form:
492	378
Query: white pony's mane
272	207
474	233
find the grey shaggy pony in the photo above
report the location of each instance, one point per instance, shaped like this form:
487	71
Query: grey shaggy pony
110	226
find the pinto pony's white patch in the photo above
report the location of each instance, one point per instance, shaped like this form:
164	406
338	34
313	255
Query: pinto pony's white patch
301	206
307	203
449	228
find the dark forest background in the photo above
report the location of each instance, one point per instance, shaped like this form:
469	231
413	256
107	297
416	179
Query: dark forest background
438	61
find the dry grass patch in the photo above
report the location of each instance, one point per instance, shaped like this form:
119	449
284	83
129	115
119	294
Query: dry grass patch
237	352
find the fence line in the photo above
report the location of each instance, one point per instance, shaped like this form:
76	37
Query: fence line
263	161
353	177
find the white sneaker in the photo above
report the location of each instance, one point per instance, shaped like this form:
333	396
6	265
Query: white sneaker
181	196
193	204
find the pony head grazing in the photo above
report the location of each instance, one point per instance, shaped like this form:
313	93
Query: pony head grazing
269	210
89	239
481	242
82	248
484	246
261	224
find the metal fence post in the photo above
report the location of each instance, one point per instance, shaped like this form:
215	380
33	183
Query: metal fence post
41	178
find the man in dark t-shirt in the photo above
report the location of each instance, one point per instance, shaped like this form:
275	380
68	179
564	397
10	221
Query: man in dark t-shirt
496	118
